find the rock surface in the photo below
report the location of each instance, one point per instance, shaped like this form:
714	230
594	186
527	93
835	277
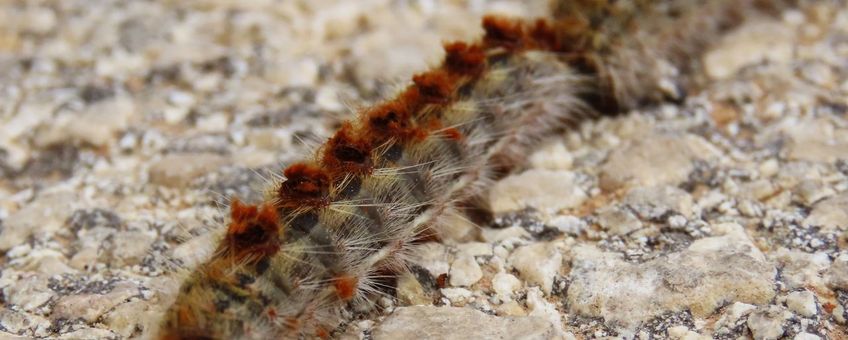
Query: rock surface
699	279
460	323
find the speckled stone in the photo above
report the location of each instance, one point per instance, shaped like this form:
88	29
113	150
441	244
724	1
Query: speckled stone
460	323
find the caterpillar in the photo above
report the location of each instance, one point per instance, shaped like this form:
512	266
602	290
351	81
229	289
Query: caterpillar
330	235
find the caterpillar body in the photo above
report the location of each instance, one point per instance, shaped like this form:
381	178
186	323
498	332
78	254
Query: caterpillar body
327	237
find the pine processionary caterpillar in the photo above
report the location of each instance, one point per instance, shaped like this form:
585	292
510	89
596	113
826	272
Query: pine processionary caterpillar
328	235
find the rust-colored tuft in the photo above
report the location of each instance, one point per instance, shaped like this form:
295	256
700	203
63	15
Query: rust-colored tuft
346	152
292	323
392	120
503	32
322	332
435	86
253	233
345	286
465	59
453	134
305	185
569	35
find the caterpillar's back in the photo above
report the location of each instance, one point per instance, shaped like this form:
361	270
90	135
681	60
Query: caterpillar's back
328	235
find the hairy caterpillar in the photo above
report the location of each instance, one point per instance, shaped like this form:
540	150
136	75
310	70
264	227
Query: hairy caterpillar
340	223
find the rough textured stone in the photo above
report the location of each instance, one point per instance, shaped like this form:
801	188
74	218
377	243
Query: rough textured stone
91	307
710	272
656	159
816	140
540	189
465	272
800	269
831	213
538	264
837	274
764	42
802	303
180	169
504	285
459	323
618	220
44	216
767	323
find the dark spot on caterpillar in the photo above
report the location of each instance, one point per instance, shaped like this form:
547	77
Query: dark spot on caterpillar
305	184
227	290
262	265
244	279
502	32
386	120
187	288
253	232
304	222
465	90
393	120
351	188
347	152
221	305
394	153
498	59
434	86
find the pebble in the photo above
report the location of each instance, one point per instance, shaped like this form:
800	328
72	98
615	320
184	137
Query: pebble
130	247
567	224
457	295
766	323
806	336
45	215
837	274
475	249
553	156
498	235
800	269
465	272
654	202
124	319
97	125
543	190
178	170
625	294
434	257
618	220
505	285
831	213
537	264
539	307
460	323
90	307
754	44
656	159
29	292
410	292
802	303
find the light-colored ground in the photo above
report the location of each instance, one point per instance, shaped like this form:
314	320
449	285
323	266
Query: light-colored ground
125	125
